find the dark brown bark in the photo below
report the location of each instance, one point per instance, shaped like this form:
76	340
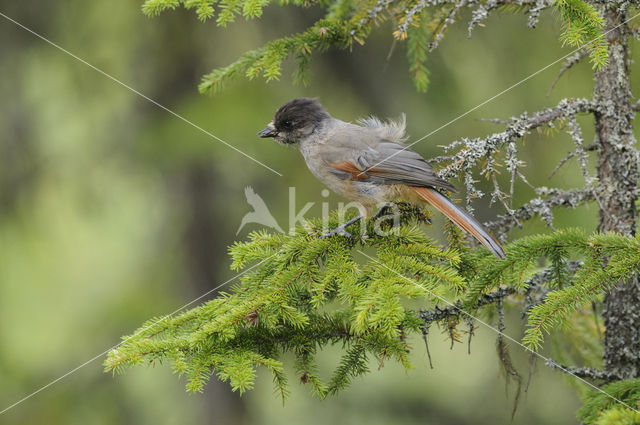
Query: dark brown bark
618	175
196	192
205	248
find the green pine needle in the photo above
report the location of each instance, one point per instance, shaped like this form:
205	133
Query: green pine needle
301	293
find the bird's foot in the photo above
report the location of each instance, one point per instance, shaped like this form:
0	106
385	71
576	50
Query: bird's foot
340	229
337	231
383	211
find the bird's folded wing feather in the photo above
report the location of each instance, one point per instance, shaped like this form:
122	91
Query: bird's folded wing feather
360	154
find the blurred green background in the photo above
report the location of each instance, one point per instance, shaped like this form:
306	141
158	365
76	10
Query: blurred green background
114	211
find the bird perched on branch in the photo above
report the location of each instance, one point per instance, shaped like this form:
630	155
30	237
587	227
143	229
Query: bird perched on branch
367	163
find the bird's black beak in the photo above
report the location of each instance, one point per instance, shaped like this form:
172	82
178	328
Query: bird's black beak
270	131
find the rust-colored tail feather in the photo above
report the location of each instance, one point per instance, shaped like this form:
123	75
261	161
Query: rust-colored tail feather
461	218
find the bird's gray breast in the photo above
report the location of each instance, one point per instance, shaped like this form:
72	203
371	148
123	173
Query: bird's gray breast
311	151
341	182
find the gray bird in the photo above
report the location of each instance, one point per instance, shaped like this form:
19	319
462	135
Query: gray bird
367	163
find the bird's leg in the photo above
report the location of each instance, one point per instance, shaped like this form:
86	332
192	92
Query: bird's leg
382	211
388	211
340	229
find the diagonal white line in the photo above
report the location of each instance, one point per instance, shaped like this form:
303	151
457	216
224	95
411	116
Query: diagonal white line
91	360
272	170
527	78
515	341
109	76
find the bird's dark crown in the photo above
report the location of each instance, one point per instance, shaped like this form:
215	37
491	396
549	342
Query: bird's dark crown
299	113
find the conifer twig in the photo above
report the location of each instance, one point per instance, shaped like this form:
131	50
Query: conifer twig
536	291
437	314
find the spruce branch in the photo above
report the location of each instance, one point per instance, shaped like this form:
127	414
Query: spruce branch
437	314
417	46
583	26
599	408
280	305
539	285
517	268
349	22
589	282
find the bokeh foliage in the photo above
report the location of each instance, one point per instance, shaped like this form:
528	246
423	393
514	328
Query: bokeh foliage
348	23
289	315
216	339
96	188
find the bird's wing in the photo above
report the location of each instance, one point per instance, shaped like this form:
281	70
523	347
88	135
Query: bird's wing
361	154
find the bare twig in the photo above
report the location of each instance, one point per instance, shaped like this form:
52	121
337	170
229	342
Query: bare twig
480	14
576	135
580	151
444	24
541	207
585	372
478	148
439	159
495	120
534	12
567	65
425	335
561	163
512	163
505	358
472	329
